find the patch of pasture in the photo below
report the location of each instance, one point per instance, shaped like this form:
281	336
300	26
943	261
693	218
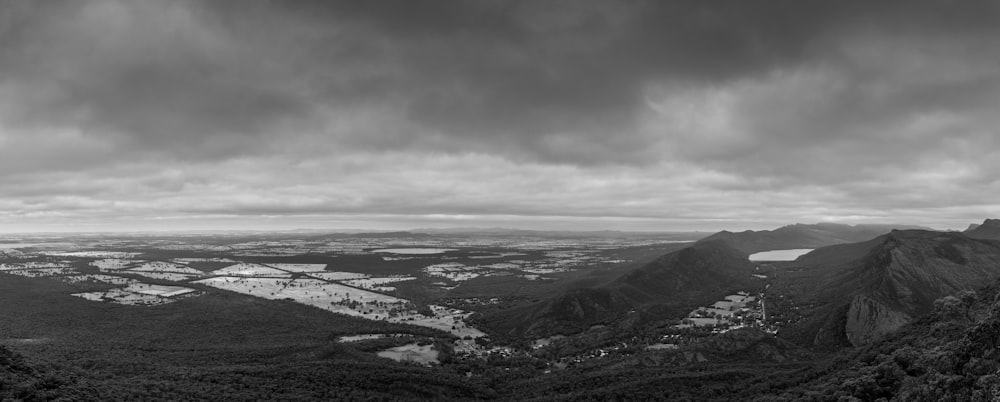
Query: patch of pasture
701	322
31	265
112	264
108	279
365	337
376	283
123	296
250	270
166	276
387	258
190	260
444	318
306	290
337	276
41	272
544	270
414	251
502	265
342	292
338	298
158	290
262	287
543	342
720	312
160	266
94	254
299	267
413	352
453	271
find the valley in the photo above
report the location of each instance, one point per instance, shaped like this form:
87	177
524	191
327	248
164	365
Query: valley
427	269
490	316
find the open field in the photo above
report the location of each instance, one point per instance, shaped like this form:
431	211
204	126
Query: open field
383	279
247	269
414	251
111	264
411	353
160	266
299	267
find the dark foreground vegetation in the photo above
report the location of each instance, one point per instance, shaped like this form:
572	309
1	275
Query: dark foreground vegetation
230	347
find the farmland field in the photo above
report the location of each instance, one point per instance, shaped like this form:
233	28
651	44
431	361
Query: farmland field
393	280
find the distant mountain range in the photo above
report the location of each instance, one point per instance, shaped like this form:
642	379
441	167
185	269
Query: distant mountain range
871	281
803	236
688	236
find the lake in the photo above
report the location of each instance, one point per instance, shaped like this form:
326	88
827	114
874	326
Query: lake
779	255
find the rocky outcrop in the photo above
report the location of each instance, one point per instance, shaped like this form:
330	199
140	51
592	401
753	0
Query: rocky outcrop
868	319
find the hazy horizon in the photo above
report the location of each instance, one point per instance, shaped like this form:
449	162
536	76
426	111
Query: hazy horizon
195	229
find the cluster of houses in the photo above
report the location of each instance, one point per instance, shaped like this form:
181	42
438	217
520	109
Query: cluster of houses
735	311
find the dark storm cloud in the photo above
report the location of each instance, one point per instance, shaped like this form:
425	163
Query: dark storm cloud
555	80
787	108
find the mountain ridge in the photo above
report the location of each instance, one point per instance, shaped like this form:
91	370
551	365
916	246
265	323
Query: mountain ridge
860	292
798	236
668	287
989	229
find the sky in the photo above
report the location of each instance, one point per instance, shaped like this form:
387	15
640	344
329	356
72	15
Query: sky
626	115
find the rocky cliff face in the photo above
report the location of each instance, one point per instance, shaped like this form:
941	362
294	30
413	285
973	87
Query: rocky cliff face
868	319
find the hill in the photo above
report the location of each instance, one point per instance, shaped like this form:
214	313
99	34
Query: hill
989	229
668	287
854	293
802	236
949	354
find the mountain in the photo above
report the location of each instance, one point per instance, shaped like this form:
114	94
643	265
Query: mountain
949	354
989	229
668	287
802	236
854	293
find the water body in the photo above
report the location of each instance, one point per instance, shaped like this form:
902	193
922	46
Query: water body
779	255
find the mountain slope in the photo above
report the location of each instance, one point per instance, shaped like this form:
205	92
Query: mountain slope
950	354
989	229
668	287
802	236
855	293
707	266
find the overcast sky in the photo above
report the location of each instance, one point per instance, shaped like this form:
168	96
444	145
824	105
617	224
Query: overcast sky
631	115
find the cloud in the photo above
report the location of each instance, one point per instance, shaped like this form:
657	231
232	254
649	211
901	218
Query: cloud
684	110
